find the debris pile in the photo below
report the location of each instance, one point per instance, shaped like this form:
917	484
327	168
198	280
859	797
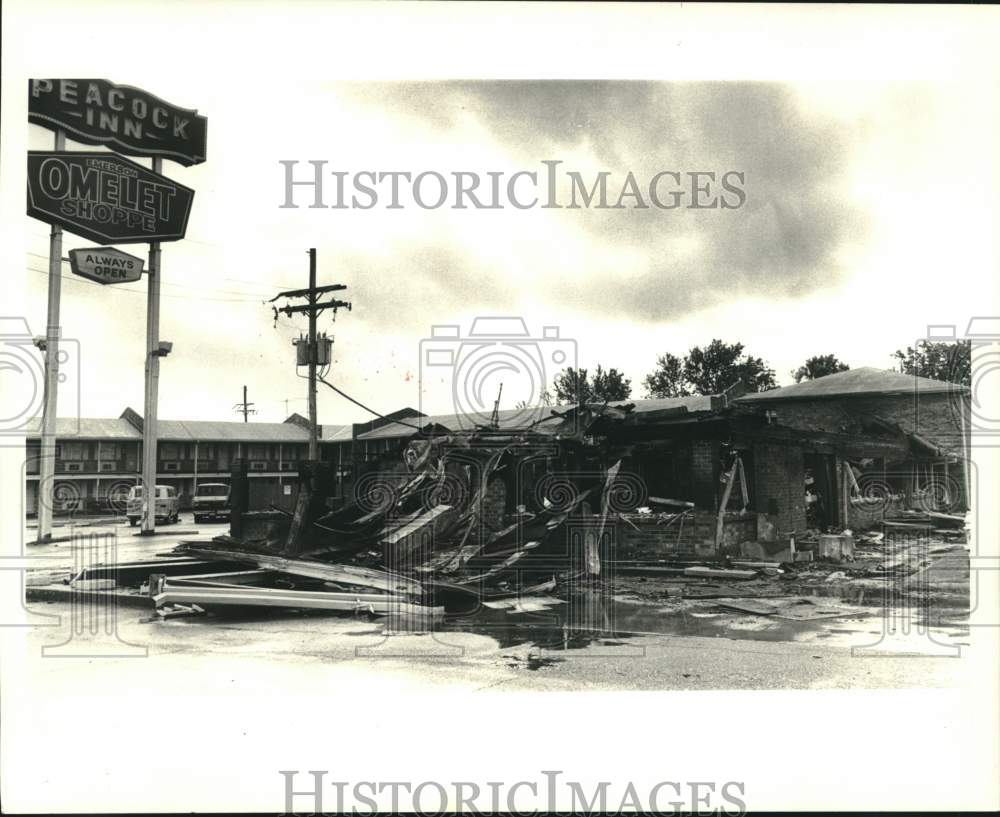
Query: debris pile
436	531
417	538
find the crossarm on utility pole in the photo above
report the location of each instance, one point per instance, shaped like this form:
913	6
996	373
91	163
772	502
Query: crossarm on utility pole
290	310
300	293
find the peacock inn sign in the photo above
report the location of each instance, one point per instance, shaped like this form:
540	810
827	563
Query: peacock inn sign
133	121
106	198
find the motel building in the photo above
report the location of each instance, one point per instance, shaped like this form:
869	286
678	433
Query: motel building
829	439
99	459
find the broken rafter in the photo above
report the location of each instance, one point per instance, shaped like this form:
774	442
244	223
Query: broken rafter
242	596
342	574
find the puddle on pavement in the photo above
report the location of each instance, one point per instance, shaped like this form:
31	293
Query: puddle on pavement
597	618
586	619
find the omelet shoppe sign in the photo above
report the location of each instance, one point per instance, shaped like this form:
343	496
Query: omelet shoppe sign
107	198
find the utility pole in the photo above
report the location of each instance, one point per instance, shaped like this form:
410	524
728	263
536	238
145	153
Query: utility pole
245	408
312	351
313	436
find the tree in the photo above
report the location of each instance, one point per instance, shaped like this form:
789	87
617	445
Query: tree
571	386
819	366
719	365
575	386
668	378
950	361
610	385
711	370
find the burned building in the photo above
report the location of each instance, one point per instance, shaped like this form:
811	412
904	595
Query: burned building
695	475
855	485
702	473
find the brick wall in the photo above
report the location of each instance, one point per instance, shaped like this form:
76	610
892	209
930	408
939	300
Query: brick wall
937	417
779	486
704	472
934	416
495	505
642	537
862	515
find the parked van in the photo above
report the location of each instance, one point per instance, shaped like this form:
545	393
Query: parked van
167	504
211	501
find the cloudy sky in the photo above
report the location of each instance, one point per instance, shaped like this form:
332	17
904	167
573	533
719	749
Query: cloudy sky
869	214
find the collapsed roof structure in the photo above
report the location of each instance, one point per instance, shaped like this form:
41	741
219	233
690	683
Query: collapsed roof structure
527	499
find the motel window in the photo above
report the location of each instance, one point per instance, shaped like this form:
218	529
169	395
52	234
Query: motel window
168	451
72	451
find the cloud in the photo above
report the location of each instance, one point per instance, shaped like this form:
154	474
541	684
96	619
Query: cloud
828	178
784	241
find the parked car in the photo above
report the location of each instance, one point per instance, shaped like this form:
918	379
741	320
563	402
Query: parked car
167	504
211	501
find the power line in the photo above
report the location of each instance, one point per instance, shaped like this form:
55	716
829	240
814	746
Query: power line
120	288
263	284
181	286
366	408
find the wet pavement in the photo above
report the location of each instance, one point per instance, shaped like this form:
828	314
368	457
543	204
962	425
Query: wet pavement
552	624
619	619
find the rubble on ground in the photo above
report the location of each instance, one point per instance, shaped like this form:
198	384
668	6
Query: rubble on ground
416	542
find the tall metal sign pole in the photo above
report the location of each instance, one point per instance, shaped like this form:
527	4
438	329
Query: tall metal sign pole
104	197
47	466
152	391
